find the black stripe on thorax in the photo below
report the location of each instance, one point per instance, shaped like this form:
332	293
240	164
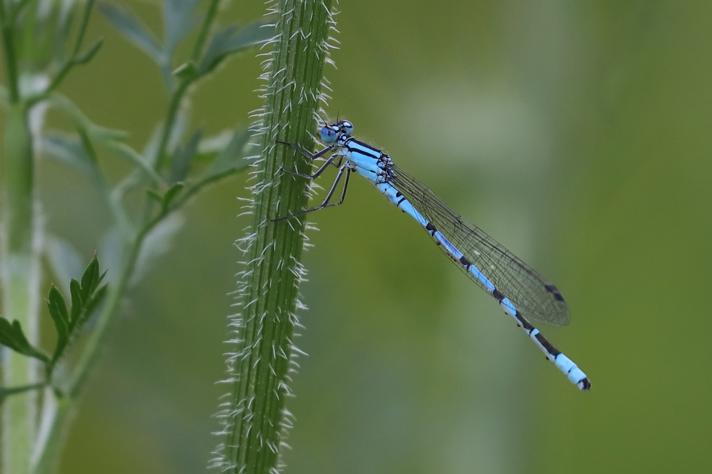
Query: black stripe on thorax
368	149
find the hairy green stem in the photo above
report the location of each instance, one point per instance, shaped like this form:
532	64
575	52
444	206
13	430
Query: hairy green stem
255	420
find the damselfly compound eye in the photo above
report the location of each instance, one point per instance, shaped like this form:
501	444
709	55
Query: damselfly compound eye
327	134
347	127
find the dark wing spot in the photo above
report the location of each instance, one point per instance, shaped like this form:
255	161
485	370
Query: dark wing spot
555	292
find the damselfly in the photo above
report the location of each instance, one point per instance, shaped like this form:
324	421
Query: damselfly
519	289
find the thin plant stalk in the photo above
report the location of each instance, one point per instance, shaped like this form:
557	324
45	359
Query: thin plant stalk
253	415
20	263
20	282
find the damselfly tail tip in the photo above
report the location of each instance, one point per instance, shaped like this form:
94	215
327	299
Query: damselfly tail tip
584	384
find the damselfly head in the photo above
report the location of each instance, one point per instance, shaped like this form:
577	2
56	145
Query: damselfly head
339	130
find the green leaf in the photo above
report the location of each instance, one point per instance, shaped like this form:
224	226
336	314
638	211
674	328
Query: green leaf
182	158
178	20
155	195
157	243
60	317
12	336
75	290
231	158
92	304
165	199
88	145
171	194
232	40
132	29
90	279
67	150
210	147
81	121
124	151
58	310
86	294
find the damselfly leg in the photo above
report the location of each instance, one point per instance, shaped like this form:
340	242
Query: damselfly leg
343	168
311	156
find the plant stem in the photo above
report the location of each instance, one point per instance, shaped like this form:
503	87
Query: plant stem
182	88
56	413
6	26
171	116
205	29
254	421
20	282
20	265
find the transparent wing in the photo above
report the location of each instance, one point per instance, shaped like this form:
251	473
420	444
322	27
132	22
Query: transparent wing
533	296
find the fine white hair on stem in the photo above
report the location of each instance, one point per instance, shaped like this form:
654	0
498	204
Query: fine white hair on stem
248	317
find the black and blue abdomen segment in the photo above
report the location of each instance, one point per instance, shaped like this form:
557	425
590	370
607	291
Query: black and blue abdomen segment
562	362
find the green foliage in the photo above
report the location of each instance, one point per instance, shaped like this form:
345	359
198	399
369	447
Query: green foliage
232	40
134	31
224	159
165	199
86	294
55	37
12	336
179	20
174	166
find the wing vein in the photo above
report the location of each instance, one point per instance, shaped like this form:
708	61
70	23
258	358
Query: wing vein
528	290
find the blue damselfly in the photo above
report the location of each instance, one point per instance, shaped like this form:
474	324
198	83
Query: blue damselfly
519	289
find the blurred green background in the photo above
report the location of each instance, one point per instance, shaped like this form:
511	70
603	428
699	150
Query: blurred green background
577	133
